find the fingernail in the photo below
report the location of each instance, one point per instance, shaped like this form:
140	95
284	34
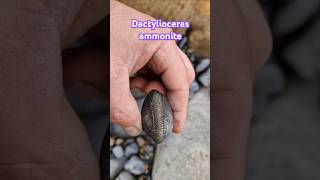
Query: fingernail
132	131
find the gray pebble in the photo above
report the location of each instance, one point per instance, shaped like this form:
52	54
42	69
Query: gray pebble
118	151
204	78
125	176
203	65
135	165
136	93
131	149
115	166
194	86
118	131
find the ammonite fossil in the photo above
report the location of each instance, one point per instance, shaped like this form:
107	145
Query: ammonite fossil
157	116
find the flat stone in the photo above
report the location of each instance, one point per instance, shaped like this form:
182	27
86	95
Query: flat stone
131	149
187	155
125	176
115	166
204	78
135	165
203	65
118	151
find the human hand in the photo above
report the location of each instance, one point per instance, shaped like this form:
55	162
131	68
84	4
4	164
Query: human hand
133	64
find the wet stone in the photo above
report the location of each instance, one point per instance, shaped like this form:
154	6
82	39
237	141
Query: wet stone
135	165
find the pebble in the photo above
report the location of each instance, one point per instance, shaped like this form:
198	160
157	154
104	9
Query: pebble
131	149
125	176
135	165
111	141
136	93
115	166
118	151
140	141
294	14
202	66
194	86
183	42
116	130
119	141
204	78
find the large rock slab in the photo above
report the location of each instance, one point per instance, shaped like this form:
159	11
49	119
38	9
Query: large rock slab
187	156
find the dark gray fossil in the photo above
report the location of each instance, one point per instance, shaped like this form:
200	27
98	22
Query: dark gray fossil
157	116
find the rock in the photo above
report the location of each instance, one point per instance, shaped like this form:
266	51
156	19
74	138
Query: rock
187	155
116	130
294	14
183	42
111	141
125	176
118	151
115	166
204	78
135	165
131	149
284	142
119	141
140	102
136	93
203	65
303	55
194	86
140	141
269	81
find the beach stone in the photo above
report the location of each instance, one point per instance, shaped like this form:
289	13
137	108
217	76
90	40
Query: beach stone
131	149
141	142
284	142
294	14
125	176
270	80
187	155
303	55
204	78
118	151
115	166
203	65
135	165
118	131
194	86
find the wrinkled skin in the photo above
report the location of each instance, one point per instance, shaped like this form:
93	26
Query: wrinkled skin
40	135
241	45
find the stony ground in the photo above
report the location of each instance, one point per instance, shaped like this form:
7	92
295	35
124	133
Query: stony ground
284	142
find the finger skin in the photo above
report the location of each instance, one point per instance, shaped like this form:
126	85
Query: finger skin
124	110
234	67
174	76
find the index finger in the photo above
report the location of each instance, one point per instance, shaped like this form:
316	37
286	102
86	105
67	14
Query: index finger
167	62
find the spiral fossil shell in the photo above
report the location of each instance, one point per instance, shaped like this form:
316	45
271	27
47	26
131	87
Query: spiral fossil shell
156	116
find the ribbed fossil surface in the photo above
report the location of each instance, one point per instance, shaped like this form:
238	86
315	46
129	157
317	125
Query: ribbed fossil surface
157	116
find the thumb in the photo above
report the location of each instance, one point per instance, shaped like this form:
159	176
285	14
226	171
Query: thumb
124	110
